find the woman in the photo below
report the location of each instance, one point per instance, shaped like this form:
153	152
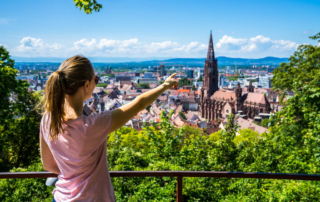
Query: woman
73	145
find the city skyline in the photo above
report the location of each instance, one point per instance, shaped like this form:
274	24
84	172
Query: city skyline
144	29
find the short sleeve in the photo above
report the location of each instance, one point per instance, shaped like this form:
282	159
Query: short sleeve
100	127
104	121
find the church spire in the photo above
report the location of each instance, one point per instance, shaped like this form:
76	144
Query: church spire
210	54
238	90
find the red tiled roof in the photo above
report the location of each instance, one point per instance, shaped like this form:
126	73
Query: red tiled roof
178	109
256	98
183	91
248	124
212	130
187	99
126	82
163	98
218	95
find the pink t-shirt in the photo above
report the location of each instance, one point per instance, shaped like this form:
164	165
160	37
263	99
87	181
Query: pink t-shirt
80	153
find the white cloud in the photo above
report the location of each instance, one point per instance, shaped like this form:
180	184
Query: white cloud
259	46
161	47
230	43
107	44
192	47
304	32
254	47
84	45
260	39
33	45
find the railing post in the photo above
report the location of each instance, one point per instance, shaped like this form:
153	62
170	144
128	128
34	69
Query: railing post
179	189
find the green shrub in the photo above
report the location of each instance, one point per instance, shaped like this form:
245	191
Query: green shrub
25	189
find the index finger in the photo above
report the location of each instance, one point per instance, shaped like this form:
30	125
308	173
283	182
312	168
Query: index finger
173	75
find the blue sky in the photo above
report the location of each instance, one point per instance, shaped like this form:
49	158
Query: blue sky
166	28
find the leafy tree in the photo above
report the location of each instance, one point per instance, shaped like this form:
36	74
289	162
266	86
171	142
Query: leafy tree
245	135
297	125
184	81
143	85
19	123
88	5
193	87
233	78
224	152
215	137
265	122
27	189
102	85
182	115
109	75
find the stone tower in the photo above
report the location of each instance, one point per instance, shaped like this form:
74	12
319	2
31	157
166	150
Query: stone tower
238	101
210	72
250	88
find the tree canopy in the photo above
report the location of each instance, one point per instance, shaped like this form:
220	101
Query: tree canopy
88	5
19	123
184	82
143	85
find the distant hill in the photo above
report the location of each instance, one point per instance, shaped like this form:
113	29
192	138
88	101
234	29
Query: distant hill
156	61
221	61
228	61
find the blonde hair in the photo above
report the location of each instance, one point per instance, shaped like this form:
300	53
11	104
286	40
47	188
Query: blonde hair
71	75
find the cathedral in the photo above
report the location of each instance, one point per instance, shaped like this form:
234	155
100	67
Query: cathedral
218	104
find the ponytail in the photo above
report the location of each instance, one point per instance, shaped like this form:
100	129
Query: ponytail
55	94
72	74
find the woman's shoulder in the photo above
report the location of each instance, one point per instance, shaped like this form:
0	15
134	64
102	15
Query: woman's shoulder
101	118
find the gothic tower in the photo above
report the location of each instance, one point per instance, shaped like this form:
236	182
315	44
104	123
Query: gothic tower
250	88
238	101
210	72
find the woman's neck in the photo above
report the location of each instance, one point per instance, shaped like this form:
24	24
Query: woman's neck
73	107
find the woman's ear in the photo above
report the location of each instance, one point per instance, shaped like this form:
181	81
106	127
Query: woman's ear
86	86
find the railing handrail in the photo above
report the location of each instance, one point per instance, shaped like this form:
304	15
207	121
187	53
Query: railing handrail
178	174
226	174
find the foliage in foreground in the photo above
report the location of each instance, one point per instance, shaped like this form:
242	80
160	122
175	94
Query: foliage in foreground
19	124
88	5
167	148
28	189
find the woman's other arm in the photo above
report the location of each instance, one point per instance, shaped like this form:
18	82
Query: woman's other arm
48	162
126	112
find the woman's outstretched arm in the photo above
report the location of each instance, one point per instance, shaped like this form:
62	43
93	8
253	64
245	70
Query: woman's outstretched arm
126	112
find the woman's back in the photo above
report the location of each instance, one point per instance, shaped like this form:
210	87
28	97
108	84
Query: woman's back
80	153
76	149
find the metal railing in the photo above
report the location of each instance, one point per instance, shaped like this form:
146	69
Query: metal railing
178	174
